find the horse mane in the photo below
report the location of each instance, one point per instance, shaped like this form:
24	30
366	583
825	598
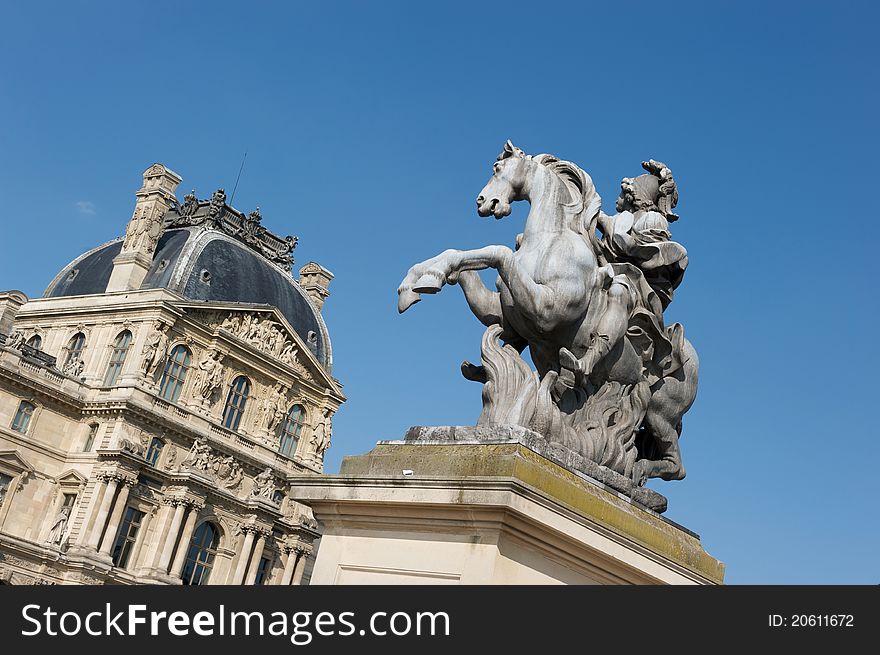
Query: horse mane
586	202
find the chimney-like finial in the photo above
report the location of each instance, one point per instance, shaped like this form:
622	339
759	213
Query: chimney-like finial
142	233
315	281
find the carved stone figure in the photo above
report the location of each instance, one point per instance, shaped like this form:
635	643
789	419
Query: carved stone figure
273	408
15	340
320	440
59	527
170	458
236	475
74	367
612	380
199	457
4	489
155	349
209	376
264	484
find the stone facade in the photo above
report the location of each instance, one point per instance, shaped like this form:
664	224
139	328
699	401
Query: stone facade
149	438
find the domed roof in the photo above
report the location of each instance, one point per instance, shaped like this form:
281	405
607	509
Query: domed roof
204	263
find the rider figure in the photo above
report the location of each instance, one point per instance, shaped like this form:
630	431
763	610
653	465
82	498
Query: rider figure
645	266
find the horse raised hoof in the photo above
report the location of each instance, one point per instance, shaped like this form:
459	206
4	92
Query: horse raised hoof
473	372
429	283
406	298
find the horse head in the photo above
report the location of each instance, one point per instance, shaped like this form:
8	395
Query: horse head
509	177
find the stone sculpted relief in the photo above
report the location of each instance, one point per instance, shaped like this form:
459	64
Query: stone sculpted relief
265	485
74	367
144	229
585	292
224	469
260	331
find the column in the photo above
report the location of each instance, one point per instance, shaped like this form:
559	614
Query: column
289	565
139	544
171	539
255	560
244	557
152	557
115	519
183	548
303	553
97	497
103	511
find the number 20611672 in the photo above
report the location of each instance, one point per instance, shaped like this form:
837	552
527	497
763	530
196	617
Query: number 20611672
811	621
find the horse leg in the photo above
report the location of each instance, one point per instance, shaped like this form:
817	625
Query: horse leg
610	329
430	275
666	435
485	304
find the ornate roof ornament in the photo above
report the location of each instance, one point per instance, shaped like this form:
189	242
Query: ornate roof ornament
247	228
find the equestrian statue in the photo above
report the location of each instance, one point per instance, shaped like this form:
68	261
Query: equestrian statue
585	292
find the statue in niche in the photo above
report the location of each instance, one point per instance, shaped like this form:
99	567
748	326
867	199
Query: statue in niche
209	375
59	527
155	349
612	381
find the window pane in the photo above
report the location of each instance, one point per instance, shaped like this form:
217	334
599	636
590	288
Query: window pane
22	417
127	537
74	348
90	440
235	403
200	557
290	430
117	358
174	374
35	341
155	450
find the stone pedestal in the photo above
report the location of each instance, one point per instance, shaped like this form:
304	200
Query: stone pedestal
484	511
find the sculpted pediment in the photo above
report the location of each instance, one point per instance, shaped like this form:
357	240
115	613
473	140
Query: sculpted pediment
268	332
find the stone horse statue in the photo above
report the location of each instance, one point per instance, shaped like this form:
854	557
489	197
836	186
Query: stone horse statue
612	382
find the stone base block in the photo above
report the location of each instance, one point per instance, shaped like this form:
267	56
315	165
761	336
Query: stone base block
440	512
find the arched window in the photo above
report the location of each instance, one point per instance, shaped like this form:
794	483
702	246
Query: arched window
74	349
23	416
35	342
200	557
154	451
90	440
174	374
117	358
290	430
236	402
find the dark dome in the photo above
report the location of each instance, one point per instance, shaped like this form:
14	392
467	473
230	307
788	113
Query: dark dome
205	265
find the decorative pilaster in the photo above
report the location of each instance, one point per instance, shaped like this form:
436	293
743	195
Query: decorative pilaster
171	538
255	560
183	546
112	482
244	555
116	516
302	553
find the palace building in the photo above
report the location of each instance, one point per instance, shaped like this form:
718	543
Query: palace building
155	401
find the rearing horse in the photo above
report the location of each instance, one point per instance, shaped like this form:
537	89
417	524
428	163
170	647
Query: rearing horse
554	294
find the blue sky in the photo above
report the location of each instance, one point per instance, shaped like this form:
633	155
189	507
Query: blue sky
370	128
